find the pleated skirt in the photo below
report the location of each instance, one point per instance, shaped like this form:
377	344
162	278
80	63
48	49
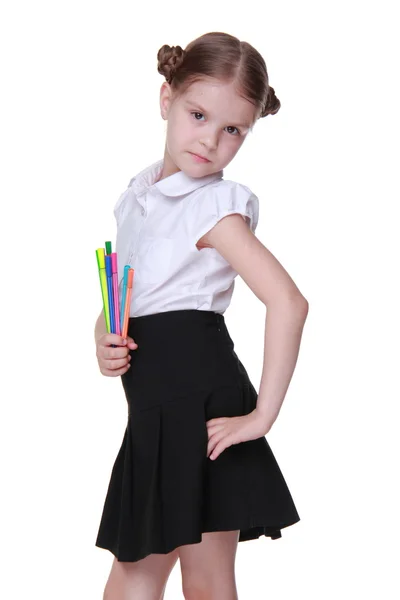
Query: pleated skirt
164	491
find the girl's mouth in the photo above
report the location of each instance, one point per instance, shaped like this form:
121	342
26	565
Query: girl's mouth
198	158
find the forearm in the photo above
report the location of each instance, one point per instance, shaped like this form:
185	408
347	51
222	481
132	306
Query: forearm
283	330
100	327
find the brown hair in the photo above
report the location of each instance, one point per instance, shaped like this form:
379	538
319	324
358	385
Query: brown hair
224	57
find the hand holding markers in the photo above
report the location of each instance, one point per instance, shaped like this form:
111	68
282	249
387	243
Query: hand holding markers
116	320
113	355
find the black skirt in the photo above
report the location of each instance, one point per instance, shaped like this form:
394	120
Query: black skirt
164	492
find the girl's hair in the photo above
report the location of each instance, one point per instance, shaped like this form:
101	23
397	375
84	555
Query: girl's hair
224	57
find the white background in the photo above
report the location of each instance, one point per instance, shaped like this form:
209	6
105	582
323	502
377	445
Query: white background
79	118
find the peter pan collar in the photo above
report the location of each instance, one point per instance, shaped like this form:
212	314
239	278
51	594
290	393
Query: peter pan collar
177	184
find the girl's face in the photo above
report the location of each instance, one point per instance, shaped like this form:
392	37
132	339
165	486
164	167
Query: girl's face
210	120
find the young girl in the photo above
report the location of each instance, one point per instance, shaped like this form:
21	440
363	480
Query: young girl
195	474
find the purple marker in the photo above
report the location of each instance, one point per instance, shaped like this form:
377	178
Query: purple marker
114	266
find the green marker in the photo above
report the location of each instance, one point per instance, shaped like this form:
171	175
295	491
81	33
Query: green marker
108	248
101	263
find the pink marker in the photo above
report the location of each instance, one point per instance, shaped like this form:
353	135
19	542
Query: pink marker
114	266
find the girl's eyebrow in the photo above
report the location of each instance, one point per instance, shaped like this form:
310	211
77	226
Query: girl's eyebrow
195	105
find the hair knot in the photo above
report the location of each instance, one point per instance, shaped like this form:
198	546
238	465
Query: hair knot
272	104
169	60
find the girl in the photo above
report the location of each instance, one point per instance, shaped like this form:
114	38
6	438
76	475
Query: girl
195	474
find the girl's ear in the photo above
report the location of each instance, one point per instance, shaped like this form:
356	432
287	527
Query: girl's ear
165	99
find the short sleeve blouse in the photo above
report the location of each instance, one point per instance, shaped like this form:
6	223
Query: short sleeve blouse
220	200
158	226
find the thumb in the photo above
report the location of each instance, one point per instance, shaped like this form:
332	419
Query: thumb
131	342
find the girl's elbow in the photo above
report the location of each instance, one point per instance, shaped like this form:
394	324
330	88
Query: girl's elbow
298	301
294	303
302	306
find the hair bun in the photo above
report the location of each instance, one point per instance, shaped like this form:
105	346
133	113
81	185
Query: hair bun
169	60
272	104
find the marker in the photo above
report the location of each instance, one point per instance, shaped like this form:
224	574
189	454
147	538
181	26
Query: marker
110	293
124	286
103	283
108	248
127	303
114	268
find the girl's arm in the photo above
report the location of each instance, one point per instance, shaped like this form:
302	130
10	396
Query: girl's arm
287	308
283	330
100	327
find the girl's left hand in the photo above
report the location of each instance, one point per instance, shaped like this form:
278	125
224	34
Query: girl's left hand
227	431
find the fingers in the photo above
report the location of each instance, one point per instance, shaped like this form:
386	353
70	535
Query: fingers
131	343
109	339
114	366
115	363
112	339
106	352
114	372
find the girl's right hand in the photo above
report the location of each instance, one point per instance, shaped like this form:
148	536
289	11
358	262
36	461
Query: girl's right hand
114	361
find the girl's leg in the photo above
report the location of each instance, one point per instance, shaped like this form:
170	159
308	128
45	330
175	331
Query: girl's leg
208	568
145	579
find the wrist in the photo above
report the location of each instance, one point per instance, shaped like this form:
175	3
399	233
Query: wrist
100	328
265	418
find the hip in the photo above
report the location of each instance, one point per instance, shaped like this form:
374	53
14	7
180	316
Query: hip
180	351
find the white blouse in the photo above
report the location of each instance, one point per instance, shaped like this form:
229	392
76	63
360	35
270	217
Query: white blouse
158	226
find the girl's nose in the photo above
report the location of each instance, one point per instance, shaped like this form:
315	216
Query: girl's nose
210	141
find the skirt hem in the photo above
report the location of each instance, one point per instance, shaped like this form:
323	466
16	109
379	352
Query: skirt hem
256	531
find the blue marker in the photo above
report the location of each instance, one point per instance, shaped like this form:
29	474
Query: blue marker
110	293
124	290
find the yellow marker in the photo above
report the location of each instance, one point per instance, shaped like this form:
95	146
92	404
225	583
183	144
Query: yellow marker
101	263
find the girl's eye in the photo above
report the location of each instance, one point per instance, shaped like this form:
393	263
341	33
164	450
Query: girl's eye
229	126
195	115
